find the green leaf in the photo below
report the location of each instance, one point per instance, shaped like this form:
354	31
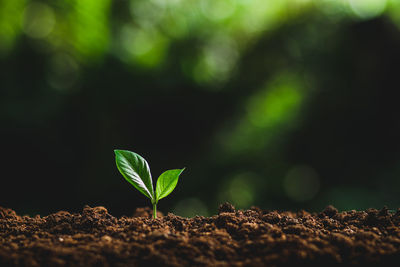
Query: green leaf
136	171
166	183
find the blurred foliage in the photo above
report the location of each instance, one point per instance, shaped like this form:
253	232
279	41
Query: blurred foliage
266	100
142	32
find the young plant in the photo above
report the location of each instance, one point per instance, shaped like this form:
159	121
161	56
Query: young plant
136	171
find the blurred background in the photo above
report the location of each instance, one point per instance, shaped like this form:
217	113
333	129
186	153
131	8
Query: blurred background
282	104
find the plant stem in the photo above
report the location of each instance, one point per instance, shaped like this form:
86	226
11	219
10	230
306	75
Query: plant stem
154	210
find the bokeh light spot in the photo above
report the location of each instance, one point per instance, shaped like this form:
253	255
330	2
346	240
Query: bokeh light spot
93	15
147	12
217	61
11	13
277	103
218	10
63	72
240	190
38	20
146	47
175	26
270	112
366	9
301	183
190	207
136	42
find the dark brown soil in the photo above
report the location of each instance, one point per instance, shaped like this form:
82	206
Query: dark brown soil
232	238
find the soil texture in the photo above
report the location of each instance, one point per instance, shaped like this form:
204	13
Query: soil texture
251	237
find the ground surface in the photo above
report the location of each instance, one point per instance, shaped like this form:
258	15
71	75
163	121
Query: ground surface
232	238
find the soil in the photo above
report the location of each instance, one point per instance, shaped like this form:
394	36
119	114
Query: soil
251	237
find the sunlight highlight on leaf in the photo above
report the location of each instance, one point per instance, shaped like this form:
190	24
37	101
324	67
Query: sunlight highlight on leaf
136	171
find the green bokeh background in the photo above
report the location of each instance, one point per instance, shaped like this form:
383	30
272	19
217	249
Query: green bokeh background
283	104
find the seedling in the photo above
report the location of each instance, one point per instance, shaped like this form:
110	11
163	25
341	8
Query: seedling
136	171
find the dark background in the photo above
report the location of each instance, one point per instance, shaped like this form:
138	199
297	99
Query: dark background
279	104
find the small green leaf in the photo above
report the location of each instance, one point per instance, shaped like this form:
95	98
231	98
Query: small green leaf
136	171
166	183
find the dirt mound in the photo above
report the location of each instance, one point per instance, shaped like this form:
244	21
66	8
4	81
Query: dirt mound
252	237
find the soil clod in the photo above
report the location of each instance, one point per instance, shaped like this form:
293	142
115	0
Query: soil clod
226	207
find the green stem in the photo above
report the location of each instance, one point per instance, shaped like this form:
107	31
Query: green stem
154	210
